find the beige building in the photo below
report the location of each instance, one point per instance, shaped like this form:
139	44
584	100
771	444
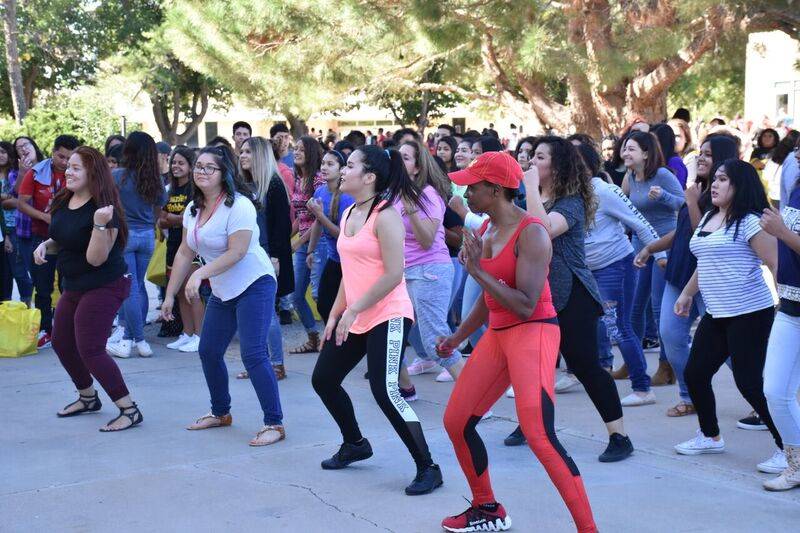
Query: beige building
772	81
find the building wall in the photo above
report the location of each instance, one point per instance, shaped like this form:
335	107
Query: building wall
772	83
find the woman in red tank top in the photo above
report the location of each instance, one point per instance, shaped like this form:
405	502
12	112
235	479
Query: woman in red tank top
510	260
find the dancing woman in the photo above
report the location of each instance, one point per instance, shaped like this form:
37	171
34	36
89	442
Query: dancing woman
510	261
372	313
88	231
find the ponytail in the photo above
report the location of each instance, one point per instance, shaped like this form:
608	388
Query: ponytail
392	181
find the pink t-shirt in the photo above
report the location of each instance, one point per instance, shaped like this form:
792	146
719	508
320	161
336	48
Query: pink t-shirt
414	252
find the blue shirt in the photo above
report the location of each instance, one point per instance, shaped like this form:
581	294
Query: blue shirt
139	213
681	262
789	260
288	160
345	200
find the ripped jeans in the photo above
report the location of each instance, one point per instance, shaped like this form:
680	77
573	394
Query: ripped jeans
617	282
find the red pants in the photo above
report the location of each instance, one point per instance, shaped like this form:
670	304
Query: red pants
525	357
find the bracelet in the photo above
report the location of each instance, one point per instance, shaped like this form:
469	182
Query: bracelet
99	227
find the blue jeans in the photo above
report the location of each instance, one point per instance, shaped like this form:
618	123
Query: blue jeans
472	291
20	269
138	252
429	288
675	331
302	277
250	314
275	339
43	277
649	290
616	284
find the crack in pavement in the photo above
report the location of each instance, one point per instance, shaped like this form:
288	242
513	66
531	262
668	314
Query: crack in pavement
296	486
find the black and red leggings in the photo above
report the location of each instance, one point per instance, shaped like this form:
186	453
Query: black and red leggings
523	356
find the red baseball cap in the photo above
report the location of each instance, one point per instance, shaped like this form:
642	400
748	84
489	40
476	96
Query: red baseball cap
495	167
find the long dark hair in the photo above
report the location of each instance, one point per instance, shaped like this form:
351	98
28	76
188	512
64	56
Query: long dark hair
392	181
12	164
141	160
570	176
591	160
666	139
785	147
762	152
310	168
649	143
189	155
102	188
749	196
723	147
231	182
453	144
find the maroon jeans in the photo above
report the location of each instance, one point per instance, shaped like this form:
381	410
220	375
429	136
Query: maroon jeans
83	321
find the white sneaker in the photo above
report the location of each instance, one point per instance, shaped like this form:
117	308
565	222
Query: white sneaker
636	399
487	416
566	382
116	335
144	349
121	349
192	345
183	339
510	392
700	445
420	366
775	464
444	377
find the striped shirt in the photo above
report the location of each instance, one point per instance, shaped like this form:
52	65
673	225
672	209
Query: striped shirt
729	270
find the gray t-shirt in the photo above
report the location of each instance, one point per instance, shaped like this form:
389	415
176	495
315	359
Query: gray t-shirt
606	241
139	213
569	257
662	213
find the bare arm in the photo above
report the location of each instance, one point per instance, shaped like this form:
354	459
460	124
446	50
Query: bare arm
534	252
31	211
181	266
424	228
100	245
313	239
766	247
476	318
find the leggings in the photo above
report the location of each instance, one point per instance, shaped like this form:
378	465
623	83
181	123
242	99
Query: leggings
80	331
384	346
782	376
744	338
328	288
523	356
578	321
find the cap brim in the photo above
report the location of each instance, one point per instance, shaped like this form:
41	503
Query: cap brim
463	177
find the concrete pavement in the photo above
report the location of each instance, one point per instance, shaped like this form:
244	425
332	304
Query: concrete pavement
63	475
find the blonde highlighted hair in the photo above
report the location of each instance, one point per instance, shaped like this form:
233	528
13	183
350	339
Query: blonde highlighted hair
263	167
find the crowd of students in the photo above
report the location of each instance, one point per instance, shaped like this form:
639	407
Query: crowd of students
494	265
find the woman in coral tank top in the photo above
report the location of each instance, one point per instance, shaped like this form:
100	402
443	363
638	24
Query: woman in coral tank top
372	314
510	261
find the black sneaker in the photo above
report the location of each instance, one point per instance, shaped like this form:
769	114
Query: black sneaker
649	345
428	479
516	438
285	317
347	454
619	448
752	422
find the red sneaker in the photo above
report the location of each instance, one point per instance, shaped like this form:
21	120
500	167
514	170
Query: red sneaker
480	518
44	340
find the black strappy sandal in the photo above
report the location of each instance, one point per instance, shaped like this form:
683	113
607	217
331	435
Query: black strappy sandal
135	417
90	404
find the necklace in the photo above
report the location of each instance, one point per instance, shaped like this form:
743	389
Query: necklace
359	204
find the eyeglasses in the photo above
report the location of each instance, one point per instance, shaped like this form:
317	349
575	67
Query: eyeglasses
205	171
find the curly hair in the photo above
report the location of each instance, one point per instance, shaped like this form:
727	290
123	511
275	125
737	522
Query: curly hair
141	160
569	175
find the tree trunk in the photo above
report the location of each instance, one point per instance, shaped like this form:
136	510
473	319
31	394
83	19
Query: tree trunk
422	119
297	125
197	115
12	60
166	128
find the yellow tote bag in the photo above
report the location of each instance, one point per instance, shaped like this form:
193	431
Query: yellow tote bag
157	268
19	327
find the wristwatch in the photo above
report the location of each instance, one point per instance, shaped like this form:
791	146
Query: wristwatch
99	227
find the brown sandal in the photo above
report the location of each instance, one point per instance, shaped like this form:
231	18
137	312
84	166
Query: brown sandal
243	375
312	345
280	372
681	409
268	435
210	421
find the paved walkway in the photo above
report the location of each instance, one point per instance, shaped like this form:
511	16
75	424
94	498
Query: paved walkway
63	475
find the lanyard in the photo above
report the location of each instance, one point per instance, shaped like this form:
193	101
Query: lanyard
198	225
